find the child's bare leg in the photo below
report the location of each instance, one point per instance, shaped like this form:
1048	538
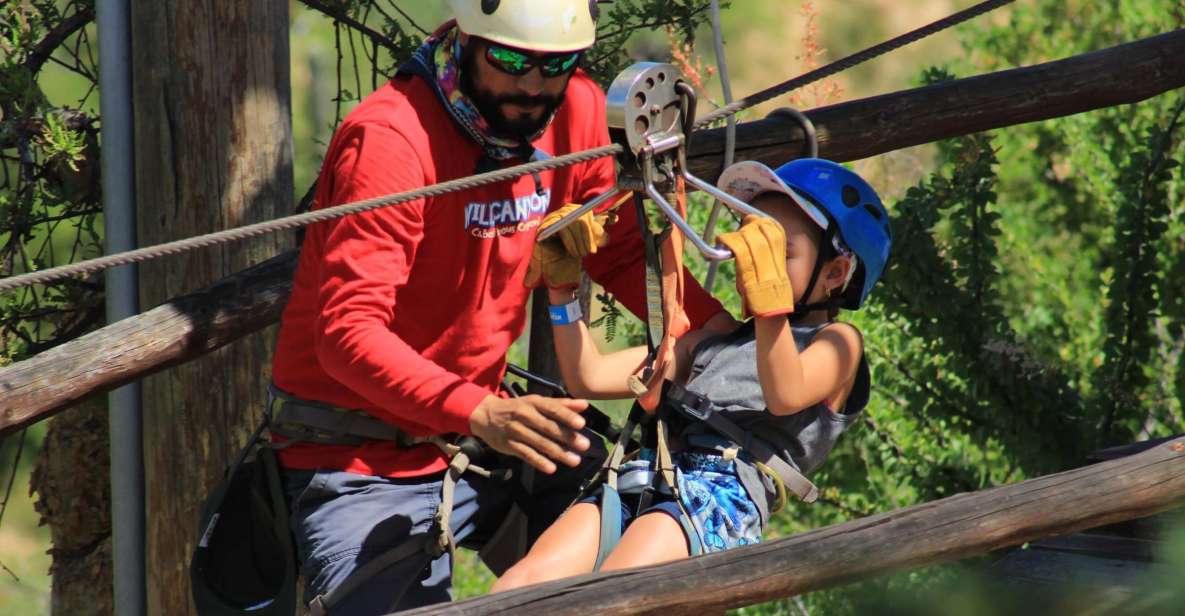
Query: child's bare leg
568	547
651	539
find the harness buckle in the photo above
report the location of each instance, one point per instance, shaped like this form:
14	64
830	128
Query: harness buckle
689	403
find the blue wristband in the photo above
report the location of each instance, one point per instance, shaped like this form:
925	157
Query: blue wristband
566	314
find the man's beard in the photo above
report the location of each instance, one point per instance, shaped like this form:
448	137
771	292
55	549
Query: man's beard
489	104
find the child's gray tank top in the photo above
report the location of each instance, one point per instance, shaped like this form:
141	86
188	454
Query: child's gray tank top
724	370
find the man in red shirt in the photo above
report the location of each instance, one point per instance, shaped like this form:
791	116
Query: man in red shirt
406	312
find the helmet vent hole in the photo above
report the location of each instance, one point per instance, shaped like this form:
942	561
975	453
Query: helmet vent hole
489	6
871	210
851	196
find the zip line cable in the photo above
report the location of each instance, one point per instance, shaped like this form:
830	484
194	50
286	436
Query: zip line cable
299	220
859	57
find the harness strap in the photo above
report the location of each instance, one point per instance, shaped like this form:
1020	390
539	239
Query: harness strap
610	524
674	319
695	407
444	537
663	461
610	533
794	480
315	422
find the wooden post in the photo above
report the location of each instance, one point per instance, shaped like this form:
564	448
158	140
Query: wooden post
940	531
213	151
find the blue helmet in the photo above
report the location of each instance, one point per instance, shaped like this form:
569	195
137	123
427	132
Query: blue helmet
828	193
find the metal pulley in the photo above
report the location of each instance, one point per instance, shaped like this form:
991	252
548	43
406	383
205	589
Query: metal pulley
650	108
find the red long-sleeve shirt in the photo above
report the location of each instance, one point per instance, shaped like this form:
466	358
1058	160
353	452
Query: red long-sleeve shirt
406	312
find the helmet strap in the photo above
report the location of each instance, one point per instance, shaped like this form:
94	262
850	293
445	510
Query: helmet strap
825	250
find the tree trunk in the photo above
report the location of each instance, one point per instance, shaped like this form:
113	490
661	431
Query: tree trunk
213	144
71	480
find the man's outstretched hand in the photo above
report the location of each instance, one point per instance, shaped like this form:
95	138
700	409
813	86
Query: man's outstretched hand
542	431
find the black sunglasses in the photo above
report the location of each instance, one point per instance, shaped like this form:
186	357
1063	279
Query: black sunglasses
517	62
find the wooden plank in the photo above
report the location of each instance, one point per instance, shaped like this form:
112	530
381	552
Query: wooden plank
41	386
940	531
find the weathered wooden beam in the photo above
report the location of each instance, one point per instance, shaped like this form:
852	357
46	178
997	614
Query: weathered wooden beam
858	129
38	387
178	331
936	532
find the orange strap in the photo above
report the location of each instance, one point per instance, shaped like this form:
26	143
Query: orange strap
674	318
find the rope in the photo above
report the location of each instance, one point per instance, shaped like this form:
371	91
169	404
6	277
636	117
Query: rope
852	60
299	220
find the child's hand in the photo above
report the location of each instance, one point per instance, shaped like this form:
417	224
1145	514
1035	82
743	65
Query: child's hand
760	249
556	260
553	266
582	236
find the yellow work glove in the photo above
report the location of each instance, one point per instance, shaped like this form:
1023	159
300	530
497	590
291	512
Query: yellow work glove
551	264
760	249
556	260
582	236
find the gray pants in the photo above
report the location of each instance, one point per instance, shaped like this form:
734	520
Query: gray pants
343	520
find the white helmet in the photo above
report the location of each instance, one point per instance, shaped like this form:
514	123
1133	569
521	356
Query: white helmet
537	25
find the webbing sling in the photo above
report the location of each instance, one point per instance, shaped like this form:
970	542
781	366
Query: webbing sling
610	499
675	322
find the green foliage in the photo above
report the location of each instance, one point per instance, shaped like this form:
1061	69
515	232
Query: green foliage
1132	303
1034	308
49	185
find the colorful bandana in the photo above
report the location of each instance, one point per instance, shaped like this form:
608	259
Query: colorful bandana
438	62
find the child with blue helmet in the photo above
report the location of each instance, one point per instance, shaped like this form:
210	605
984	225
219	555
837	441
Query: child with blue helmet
792	378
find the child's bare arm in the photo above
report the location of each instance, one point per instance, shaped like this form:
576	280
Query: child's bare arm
587	372
793	381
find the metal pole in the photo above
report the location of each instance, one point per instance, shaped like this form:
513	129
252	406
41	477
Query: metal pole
730	133
127	454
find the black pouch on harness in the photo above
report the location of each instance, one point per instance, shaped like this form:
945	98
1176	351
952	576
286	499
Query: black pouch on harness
245	562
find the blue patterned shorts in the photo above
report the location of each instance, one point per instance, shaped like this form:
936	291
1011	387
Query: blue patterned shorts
720	514
720	508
